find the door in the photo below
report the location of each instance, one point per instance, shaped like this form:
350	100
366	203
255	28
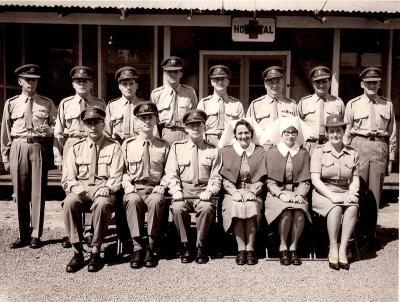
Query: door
246	83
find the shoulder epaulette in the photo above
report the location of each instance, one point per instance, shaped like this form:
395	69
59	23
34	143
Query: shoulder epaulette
209	144
161	139
258	99
141	100
130	139
113	100
306	97
67	98
289	99
350	103
79	142
180	142
386	99
208	97
97	99
12	98
110	139
45	98
157	89
233	98
187	86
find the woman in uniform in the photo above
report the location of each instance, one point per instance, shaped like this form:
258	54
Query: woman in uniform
288	184
243	170
334	174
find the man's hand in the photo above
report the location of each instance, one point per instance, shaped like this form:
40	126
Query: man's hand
237	197
6	167
130	189
336	199
298	199
159	190
177	196
78	190
249	196
390	167
102	192
205	195
285	198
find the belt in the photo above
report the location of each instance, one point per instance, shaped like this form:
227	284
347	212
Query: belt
337	182
371	137
32	140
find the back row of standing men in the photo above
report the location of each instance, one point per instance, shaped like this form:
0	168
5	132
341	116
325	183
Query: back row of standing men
28	121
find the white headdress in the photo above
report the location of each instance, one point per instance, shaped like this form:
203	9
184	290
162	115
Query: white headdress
228	137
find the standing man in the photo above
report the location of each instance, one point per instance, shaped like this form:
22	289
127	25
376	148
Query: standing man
92	174
372	132
219	107
315	108
274	104
26	142
188	172
119	122
145	156
173	100
69	128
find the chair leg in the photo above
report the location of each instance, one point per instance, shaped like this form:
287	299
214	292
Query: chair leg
356	245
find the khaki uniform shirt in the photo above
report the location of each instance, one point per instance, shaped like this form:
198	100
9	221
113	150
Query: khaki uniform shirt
261	109
68	116
110	164
233	109
115	113
334	166
164	96
357	113
308	109
133	152
13	122
179	167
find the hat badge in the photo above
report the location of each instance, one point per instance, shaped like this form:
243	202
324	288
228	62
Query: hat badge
146	107
32	69
319	72
173	62
334	119
91	113
218	70
80	70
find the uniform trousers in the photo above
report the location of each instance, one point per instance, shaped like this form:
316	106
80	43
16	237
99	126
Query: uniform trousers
75	205
135	205
205	216
373	157
174	134
28	169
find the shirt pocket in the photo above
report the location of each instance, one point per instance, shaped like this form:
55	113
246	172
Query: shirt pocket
384	119
347	169
232	113
83	167
360	118
134	160
17	115
103	165
183	165
260	115
71	115
327	167
164	109
309	114
184	105
212	116
39	118
206	165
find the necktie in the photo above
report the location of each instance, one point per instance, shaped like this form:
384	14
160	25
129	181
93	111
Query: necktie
275	110
82	105
175	114
221	114
372	116
195	165
127	120
321	129
93	164
146	160
28	114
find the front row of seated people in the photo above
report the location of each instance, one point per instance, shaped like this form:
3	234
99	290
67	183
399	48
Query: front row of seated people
194	172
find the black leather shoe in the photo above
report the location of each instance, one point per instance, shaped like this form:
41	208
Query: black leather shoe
295	260
241	258
334	266
345	266
137	259
76	263
94	263
251	258
66	243
284	257
151	259
35	243
201	257
19	243
186	257
88	240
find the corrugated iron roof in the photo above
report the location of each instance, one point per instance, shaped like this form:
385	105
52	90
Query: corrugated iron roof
384	6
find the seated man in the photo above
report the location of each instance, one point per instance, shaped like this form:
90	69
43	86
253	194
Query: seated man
92	173
145	156
188	170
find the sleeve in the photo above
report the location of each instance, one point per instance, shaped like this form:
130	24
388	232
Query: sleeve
201	105
348	117
60	122
229	186
107	122
116	169
300	109
172	176
69	171
241	111
250	111
214	183
163	180
194	99
126	178
303	188
392	135
6	138
315	165
52	115
257	187
273	187
295	109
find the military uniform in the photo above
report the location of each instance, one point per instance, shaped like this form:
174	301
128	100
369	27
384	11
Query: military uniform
172	104
119	122
188	170
265	110
145	161
220	109
372	132
69	128
88	167
26	142
310	108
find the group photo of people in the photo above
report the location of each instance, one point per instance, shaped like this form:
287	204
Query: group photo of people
280	162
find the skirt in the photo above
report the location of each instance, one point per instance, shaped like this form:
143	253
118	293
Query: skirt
242	210
323	205
275	206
